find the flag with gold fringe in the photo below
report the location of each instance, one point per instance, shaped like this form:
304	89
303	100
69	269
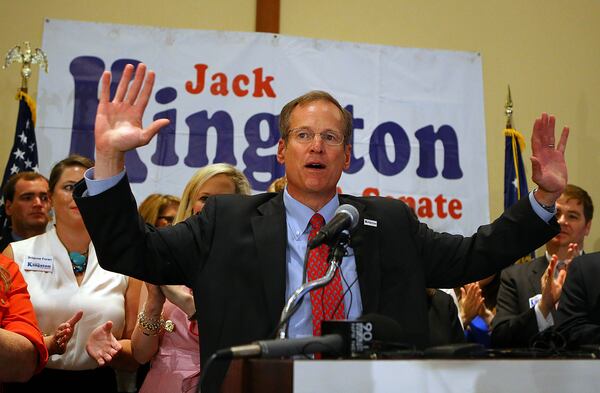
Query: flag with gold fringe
23	155
515	179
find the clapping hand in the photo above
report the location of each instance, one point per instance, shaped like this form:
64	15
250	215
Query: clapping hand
59	340
102	345
572	252
470	302
551	287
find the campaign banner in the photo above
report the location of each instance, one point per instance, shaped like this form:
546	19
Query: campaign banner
419	132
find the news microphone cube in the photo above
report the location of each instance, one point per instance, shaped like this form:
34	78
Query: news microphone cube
357	336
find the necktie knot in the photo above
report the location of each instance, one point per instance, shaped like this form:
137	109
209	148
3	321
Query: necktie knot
316	221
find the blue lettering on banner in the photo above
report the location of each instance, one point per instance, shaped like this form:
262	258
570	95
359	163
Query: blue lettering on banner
378	153
254	162
165	154
87	71
427	138
199	123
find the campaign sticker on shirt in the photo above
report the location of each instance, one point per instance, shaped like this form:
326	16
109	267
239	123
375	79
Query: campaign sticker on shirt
534	300
38	264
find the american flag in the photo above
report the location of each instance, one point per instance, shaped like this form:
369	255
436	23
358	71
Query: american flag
515	180
23	155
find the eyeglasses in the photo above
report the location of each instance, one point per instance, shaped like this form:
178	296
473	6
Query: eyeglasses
304	136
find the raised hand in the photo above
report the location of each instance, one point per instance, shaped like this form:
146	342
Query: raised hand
57	343
551	287
118	126
102	346
549	170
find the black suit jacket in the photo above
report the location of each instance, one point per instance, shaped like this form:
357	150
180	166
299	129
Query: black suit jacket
578	314
233	256
515	322
444	323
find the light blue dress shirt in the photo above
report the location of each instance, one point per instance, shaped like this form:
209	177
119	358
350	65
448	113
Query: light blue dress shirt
298	228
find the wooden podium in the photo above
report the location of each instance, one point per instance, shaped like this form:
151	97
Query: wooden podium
258	376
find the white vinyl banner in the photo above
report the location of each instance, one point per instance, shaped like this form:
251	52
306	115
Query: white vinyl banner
419	131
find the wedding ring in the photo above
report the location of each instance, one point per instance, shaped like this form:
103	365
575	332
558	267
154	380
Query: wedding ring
551	145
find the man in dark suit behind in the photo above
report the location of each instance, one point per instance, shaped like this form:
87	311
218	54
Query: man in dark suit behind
578	314
242	255
526	302
444	324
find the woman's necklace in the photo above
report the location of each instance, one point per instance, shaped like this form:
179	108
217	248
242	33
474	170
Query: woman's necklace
78	261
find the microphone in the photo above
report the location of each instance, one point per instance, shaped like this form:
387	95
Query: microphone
330	343
346	217
347	339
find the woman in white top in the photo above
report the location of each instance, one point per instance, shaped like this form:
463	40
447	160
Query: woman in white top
64	278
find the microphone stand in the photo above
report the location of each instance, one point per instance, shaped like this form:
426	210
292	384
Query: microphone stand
335	259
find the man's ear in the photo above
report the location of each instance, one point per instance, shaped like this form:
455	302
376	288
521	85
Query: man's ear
8	207
281	151
588	227
348	156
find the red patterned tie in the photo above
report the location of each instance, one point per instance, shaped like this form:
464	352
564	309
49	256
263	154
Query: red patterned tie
327	302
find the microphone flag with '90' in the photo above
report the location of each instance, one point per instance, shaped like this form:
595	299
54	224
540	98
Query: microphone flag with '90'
364	336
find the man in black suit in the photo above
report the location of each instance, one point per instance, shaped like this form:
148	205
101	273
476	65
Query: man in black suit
241	255
526	302
444	323
578	314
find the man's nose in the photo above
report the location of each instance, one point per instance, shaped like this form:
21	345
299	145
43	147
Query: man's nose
562	220
317	143
39	201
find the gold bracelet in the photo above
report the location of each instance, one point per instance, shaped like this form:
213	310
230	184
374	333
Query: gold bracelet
150	327
153	327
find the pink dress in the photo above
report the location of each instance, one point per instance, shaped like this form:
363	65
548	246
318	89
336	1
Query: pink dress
176	365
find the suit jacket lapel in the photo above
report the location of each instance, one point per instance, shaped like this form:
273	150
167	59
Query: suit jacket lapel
365	243
270	232
537	270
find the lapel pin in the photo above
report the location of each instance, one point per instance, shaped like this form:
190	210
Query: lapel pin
370	223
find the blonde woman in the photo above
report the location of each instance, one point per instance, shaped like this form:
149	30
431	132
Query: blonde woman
167	333
278	184
213	179
159	210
